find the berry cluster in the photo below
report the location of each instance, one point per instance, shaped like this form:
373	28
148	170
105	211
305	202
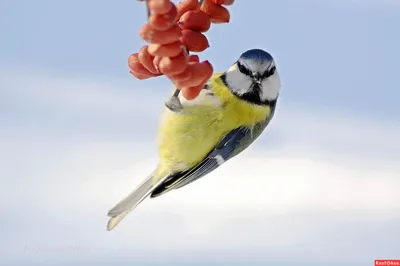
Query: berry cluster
172	32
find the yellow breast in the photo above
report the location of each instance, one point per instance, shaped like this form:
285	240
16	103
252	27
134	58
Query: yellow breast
187	137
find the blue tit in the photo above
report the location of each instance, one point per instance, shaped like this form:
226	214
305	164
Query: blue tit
231	111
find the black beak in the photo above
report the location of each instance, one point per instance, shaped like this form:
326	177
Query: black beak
257	78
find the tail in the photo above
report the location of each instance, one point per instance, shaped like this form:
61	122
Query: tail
124	207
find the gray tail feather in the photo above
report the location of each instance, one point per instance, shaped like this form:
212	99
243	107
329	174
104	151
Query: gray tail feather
124	207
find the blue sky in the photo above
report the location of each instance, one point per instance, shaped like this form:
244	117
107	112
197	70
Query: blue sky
77	133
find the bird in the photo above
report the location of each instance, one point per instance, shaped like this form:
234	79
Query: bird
230	113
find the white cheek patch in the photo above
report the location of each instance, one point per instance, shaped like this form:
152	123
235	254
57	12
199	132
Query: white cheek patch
271	87
237	81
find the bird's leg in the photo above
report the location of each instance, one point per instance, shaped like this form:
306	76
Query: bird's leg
173	103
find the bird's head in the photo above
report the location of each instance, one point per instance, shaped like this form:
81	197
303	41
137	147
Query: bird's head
254	77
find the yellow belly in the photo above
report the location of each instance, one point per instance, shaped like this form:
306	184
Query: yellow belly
186	138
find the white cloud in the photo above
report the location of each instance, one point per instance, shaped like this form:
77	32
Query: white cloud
291	205
314	191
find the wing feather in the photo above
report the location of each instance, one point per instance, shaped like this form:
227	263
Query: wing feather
232	144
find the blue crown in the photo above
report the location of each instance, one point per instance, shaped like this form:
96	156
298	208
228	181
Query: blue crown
257	55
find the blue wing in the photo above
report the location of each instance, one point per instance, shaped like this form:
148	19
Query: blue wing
232	144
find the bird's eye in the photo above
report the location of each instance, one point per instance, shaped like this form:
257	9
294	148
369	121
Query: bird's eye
269	72
243	69
272	70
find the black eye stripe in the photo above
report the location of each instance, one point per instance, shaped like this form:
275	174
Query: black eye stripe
243	69
247	72
269	72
